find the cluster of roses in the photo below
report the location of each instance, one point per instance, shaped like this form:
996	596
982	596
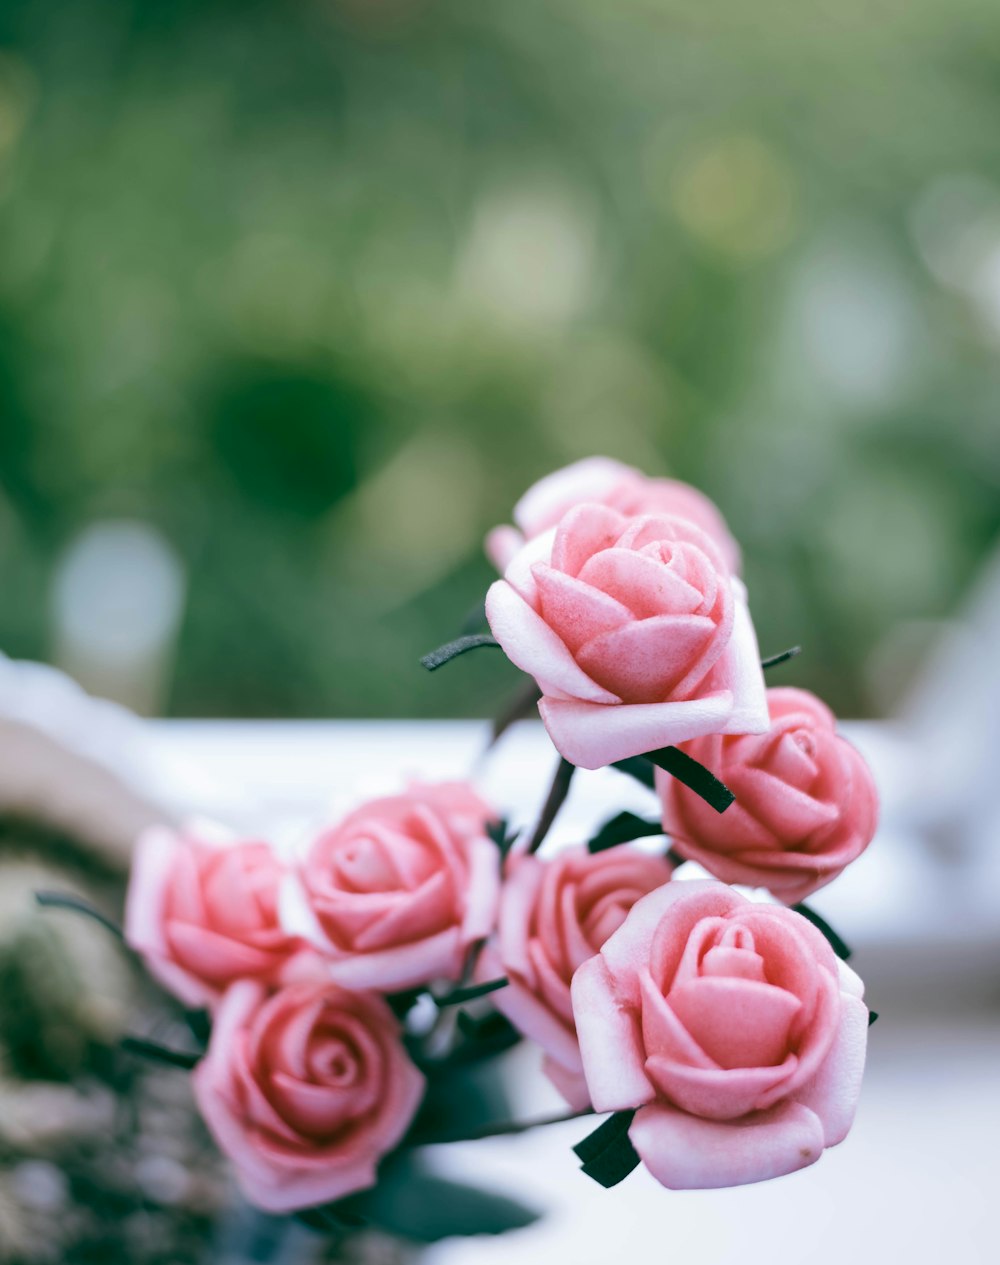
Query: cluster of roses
724	1031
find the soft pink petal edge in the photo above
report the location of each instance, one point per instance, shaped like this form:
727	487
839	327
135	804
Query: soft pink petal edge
685	1152
610	1041
532	646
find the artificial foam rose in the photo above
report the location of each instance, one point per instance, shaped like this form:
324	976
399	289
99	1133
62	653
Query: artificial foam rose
203	911
305	1090
806	803
607	482
731	1026
396	893
635	631
554	915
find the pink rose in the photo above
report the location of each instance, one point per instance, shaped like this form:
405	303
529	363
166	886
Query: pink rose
635	632
305	1090
731	1026
806	804
395	894
607	482
203	912
554	915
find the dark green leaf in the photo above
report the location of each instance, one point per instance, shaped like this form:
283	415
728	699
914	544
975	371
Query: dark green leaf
694	776
872	1016
500	833
836	943
159	1053
484	1035
460	1098
200	1023
638	767
413	1204
459	995
606	1132
607	1154
622	829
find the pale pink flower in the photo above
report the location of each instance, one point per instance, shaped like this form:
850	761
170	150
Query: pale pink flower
731	1027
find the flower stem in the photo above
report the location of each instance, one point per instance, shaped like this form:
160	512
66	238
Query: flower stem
505	1129
554	801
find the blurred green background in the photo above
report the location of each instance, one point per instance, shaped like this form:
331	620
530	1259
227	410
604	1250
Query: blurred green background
315	288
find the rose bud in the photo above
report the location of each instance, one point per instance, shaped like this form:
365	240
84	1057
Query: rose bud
806	804
305	1090
554	915
396	893
731	1026
607	482
203	911
635	632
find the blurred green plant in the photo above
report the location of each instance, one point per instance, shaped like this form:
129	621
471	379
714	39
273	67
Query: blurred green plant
317	289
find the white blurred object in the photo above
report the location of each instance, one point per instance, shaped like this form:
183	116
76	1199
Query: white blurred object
117	602
952	721
87	766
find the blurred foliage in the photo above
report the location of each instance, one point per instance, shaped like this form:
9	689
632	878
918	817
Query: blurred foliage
318	287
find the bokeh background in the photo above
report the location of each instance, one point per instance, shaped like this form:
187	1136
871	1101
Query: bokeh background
297	296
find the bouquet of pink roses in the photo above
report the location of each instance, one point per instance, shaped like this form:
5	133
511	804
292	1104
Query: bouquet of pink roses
344	992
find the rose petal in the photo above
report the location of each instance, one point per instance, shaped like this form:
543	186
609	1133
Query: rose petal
789	814
583	531
153	859
739	672
644	586
297	916
389	970
531	1017
737	1022
482	888
717	1093
592	735
610	1041
501	544
684	1152
575	611
531	645
571	1084
643	661
590	479
833	1093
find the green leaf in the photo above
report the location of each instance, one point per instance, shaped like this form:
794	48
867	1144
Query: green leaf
159	1053
485	1036
417	1205
458	996
622	829
502	836
460	1098
638	767
694	776
839	947
607	1154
